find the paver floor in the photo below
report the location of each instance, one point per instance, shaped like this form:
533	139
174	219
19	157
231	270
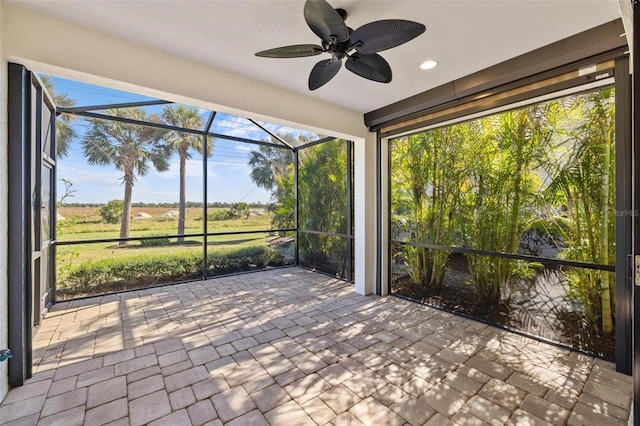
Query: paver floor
292	347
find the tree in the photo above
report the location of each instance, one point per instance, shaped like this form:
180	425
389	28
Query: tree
583	182
67	193
322	204
428	176
64	131
240	210
267	164
503	184
112	211
131	148
272	169
181	142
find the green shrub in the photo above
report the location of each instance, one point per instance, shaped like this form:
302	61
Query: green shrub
146	270
156	242
112	211
220	215
236	211
240	210
243	259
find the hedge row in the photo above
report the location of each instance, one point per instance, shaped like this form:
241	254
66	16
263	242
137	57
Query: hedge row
117	274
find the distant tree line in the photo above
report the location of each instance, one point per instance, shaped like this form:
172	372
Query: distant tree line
188	204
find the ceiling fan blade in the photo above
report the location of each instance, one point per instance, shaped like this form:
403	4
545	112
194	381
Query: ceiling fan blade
324	21
295	51
322	72
373	67
382	35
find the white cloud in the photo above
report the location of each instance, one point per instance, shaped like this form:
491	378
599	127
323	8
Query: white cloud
244	148
193	170
239	127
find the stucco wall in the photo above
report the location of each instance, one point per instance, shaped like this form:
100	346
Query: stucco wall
3	211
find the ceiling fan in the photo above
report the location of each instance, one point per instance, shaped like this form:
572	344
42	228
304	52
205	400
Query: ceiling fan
340	41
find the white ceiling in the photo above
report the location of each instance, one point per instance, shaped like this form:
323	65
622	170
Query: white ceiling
463	36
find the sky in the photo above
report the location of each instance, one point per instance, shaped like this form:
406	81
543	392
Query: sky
228	174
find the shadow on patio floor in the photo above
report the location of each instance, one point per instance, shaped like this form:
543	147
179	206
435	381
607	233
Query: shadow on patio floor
292	347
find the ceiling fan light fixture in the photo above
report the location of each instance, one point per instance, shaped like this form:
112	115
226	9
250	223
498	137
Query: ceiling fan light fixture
340	41
429	64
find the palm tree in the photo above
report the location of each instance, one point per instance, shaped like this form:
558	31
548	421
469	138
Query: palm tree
268	164
272	169
428	178
322	195
584	182
131	148
64	131
501	188
180	142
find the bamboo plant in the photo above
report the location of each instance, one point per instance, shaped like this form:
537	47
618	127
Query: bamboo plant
429	180
583	184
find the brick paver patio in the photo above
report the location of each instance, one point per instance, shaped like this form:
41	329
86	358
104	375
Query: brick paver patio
291	347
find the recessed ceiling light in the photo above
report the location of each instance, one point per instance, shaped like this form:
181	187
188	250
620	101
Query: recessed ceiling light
427	65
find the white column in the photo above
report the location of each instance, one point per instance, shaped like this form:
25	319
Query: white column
384	217
364	205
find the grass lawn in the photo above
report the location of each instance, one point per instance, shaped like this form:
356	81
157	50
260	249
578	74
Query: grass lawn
84	223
